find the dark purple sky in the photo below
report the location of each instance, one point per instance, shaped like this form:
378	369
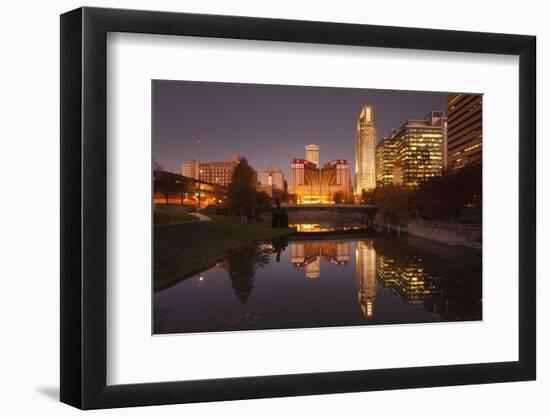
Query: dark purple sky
271	124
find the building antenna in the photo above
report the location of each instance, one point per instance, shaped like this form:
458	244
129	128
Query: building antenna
199	146
199	162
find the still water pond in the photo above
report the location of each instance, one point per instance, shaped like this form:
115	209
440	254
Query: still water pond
298	283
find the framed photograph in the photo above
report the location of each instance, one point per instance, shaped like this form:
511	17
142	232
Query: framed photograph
258	208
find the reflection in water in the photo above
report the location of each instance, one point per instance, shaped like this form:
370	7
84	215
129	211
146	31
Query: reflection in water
365	276
309	254
242	265
387	281
410	281
325	226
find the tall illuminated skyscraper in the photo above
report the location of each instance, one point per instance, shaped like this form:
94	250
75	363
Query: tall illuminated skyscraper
312	154
465	130
421	149
365	151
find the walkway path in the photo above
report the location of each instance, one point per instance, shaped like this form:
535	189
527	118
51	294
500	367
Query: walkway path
201	217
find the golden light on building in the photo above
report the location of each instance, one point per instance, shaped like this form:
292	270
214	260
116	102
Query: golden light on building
214	172
312	153
386	154
312	185
365	151
420	149
465	114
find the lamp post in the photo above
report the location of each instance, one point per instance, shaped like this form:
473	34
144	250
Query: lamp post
200	172
199	193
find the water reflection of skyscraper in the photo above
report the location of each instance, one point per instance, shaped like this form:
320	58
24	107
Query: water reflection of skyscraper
365	276
308	255
407	279
336	252
313	269
410	281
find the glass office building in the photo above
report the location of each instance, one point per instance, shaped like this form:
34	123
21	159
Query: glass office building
420	151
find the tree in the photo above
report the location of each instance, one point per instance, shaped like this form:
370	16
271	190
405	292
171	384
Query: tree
366	196
241	193
279	194
262	199
392	200
446	195
182	186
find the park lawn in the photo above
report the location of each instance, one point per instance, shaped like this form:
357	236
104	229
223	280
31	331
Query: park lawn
186	249
169	217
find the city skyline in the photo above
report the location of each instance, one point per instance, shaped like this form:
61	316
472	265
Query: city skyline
243	118
338	195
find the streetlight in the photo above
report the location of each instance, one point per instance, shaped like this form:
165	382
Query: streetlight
199	193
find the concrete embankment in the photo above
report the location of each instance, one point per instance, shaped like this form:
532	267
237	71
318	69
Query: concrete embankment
444	233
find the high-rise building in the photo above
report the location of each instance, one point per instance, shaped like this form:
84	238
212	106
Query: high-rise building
365	276
272	178
365	151
464	129
313	185
190	169
419	153
335	179
312	153
304	181
215	172
386	153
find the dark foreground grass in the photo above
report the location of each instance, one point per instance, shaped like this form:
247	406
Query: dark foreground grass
183	250
169	217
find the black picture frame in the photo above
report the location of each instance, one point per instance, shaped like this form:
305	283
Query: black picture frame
84	207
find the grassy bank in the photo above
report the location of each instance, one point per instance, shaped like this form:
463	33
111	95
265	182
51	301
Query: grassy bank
183	250
169	217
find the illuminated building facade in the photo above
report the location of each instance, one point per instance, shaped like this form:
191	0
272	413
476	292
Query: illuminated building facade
365	151
365	276
386	153
464	129
184	190
312	153
312	185
190	169
215	172
335	179
304	181
420	149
